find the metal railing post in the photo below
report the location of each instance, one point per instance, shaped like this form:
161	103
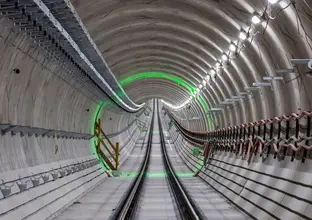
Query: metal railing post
117	155
98	131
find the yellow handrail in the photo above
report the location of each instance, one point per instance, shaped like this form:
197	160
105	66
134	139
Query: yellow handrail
115	148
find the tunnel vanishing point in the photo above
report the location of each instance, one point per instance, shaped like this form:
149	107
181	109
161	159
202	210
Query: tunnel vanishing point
155	109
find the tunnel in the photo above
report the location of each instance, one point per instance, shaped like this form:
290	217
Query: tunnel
155	109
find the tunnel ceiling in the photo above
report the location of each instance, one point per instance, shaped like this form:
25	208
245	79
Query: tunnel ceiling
186	38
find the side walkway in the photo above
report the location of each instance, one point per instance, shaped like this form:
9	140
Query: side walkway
100	203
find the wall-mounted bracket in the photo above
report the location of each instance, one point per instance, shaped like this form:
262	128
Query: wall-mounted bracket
250	89
300	61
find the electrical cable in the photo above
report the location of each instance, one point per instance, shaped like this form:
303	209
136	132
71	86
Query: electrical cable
292	79
264	30
303	28
293	3
305	2
303	15
280	11
307	40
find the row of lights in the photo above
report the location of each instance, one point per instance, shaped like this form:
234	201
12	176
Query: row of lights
243	35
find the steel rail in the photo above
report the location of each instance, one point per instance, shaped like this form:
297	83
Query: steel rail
126	207
187	207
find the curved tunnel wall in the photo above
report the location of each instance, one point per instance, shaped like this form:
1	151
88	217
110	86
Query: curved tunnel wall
186	38
183	38
38	97
45	124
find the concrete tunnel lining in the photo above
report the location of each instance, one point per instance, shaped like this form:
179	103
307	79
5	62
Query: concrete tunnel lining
185	39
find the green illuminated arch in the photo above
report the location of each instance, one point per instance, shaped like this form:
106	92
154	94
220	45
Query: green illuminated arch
139	76
93	140
160	75
149	75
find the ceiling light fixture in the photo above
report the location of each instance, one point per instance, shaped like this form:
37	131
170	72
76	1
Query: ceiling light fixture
255	19
200	86
204	82
224	57
233	47
212	71
243	35
273	1
218	64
